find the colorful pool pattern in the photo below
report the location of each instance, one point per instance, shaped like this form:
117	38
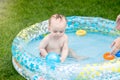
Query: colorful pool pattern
35	68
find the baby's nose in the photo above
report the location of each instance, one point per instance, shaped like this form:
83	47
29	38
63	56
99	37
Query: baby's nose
58	33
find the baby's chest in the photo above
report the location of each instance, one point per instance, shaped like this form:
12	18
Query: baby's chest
55	44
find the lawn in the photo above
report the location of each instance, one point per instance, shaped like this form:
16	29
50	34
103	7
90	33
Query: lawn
16	15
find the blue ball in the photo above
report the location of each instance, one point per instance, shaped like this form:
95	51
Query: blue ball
117	54
51	59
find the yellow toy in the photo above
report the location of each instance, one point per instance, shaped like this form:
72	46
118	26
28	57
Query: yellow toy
81	32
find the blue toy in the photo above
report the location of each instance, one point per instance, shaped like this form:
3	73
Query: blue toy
51	59
117	54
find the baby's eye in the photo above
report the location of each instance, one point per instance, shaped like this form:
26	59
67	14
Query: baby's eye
61	31
55	31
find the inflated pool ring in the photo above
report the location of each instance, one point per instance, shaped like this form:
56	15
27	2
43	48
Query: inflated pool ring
80	32
33	67
108	56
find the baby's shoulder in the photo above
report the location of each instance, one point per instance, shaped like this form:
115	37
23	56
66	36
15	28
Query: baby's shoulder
47	37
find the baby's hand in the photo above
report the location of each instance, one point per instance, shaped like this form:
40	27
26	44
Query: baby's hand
114	51
62	60
115	45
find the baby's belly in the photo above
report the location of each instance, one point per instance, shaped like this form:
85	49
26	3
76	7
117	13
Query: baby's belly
57	51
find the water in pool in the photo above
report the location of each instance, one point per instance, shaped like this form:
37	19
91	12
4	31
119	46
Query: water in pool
92	45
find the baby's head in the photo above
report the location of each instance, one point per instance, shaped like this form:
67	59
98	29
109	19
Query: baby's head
57	25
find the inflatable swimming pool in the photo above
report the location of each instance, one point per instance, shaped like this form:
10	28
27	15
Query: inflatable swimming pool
100	34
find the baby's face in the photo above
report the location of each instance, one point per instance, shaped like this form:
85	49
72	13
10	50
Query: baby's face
57	28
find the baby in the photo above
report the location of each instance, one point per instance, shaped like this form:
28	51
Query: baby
116	42
57	40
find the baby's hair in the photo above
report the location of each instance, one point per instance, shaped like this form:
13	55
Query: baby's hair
57	16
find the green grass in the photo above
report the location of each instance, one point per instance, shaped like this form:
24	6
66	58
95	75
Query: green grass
15	15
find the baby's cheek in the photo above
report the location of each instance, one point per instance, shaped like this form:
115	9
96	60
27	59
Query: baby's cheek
62	34
53	34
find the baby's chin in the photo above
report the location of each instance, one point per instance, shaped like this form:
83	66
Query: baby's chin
57	37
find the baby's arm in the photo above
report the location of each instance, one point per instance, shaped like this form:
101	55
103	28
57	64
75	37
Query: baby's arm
115	45
43	45
116	42
64	53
